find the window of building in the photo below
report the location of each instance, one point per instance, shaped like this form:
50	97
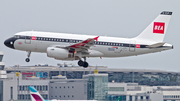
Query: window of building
26	96
22	97
72	86
11	92
59	96
29	96
55	87
72	95
130	98
68	86
64	96
147	97
1	57
136	97
40	88
59	87
37	87
45	96
141	97
116	88
68	95
20	88
26	88
46	88
18	97
64	86
51	87
124	98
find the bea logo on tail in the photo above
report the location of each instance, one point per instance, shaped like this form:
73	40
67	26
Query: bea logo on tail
158	27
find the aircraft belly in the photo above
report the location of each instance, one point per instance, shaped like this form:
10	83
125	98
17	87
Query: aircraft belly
111	51
123	51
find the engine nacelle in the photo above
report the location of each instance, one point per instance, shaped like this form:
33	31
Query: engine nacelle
59	53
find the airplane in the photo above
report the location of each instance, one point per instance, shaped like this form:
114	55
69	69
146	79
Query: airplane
35	96
62	46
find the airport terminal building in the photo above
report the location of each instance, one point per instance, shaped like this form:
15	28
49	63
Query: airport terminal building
54	82
140	76
92	83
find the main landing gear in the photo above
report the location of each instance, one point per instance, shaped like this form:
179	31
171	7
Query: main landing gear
27	59
83	63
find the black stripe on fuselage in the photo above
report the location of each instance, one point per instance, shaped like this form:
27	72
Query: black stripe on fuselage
76	41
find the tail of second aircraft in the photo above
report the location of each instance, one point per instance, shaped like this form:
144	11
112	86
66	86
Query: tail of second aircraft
157	29
35	96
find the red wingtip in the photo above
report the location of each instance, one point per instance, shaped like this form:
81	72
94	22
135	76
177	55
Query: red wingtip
96	38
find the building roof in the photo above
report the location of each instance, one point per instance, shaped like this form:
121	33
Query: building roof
91	69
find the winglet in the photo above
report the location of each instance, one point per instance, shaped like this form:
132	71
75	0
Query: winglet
96	38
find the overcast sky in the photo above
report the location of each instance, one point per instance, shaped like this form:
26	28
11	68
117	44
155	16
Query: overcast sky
117	18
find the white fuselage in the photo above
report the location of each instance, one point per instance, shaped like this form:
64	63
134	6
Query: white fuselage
104	47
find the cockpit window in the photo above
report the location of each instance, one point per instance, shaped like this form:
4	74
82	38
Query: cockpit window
16	36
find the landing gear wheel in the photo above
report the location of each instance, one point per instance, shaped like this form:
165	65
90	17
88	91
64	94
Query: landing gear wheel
27	59
80	63
85	65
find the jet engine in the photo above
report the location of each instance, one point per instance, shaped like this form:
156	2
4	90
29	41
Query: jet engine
59	53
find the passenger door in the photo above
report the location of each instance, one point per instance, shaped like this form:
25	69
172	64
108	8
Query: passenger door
28	38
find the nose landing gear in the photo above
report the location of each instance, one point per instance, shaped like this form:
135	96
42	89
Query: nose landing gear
27	59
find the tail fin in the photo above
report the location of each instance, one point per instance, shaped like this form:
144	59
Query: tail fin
157	29
35	96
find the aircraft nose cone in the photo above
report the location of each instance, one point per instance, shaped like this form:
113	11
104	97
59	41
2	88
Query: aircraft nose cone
9	43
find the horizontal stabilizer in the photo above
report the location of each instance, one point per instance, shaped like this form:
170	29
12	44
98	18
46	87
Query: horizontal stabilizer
156	45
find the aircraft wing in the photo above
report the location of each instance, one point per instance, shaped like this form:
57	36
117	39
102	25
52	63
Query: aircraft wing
84	45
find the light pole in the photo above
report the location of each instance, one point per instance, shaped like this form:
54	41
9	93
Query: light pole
59	65
17	74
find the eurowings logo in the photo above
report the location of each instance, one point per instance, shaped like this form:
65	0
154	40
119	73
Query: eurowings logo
158	27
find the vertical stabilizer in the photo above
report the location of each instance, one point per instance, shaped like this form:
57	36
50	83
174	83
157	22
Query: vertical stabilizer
157	29
35	96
